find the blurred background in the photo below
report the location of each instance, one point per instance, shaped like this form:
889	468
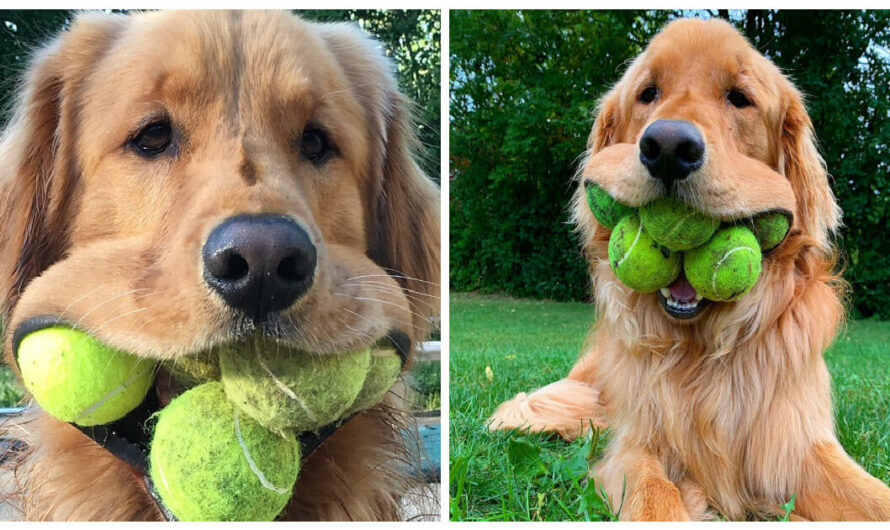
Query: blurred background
524	85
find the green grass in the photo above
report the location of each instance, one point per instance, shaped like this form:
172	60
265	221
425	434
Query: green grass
500	346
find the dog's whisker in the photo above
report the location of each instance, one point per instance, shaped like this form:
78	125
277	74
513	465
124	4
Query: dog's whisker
384	284
107	300
394	291
78	299
391	276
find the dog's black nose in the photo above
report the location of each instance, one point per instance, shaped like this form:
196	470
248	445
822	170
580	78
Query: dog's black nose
671	150
259	263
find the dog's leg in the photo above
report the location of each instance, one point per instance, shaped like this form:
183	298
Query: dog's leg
835	488
568	407
638	488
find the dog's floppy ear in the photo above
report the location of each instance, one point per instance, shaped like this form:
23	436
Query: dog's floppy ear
403	214
608	120
799	160
38	162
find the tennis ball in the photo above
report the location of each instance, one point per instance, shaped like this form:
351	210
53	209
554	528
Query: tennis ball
676	225
383	371
283	388
194	369
771	229
638	261
78	379
208	462
606	209
727	266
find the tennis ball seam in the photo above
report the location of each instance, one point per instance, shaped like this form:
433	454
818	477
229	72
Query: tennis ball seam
286	389
111	394
253	467
632	245
670	233
722	260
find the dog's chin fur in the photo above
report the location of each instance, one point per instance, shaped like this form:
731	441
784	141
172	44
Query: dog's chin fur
729	413
100	236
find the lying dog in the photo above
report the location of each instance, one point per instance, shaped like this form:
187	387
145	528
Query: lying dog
134	139
712	406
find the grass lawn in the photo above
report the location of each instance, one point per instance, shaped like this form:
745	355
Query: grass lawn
501	346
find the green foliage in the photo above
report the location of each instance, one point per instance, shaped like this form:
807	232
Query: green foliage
525	85
501	346
426	379
11	391
411	38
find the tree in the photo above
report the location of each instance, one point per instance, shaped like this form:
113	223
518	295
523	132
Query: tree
524	87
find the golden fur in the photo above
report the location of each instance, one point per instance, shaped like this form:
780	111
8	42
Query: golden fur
730	412
95	234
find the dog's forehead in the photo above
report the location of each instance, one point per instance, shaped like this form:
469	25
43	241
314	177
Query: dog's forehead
711	46
232	55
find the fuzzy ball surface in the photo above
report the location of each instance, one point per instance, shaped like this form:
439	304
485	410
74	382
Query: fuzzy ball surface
383	371
677	225
727	266
771	229
78	379
638	261
605	208
283	388
194	369
209	462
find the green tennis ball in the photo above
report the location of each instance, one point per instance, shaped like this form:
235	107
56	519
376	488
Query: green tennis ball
676	225
283	388
209	462
726	267
638	261
771	229
605	208
78	379
194	369
383	371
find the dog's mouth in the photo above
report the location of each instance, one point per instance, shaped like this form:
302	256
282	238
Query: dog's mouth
680	300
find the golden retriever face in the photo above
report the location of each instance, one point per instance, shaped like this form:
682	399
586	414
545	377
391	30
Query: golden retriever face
702	116
176	180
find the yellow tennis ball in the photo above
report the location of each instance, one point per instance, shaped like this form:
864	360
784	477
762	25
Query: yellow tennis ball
78	379
383	371
195	369
283	388
676	225
209	462
771	229
605	208
638	261
726	267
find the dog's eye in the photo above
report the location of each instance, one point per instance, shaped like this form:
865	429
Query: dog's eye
153	139
314	145
738	99
649	94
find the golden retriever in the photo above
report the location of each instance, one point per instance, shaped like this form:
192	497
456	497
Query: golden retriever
720	407
139	142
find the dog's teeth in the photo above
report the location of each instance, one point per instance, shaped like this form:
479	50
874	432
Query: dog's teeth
698	297
665	292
